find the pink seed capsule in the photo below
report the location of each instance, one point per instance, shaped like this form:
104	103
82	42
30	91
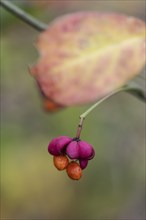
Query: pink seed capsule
92	155
52	147
83	163
57	145
72	150
62	143
85	150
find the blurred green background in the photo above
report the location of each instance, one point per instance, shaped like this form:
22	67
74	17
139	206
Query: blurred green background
113	185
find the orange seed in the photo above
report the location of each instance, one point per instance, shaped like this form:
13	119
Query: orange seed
60	162
74	170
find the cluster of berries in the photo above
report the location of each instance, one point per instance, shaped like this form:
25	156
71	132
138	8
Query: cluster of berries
79	152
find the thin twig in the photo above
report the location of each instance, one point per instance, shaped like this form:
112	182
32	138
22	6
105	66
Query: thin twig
38	25
131	88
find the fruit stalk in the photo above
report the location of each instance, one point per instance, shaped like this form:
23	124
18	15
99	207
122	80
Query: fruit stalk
82	117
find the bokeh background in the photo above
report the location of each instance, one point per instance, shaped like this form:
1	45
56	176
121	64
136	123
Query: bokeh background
113	185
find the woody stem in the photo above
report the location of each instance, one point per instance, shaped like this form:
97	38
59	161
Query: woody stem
27	18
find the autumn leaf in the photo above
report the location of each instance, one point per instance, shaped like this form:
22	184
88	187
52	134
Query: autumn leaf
86	55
